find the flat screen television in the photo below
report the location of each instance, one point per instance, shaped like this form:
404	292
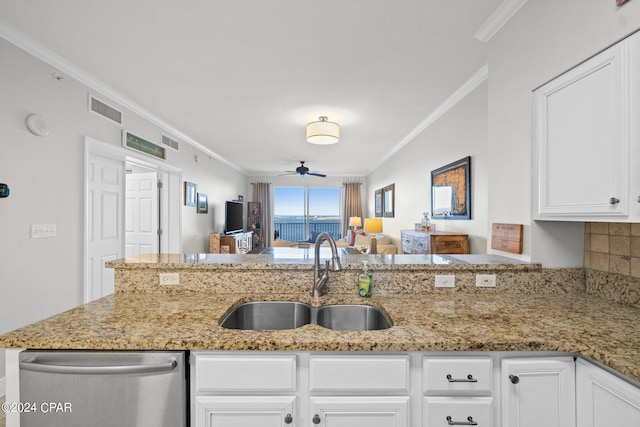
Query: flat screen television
233	222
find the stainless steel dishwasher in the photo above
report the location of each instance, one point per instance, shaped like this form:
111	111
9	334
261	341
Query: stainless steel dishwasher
100	389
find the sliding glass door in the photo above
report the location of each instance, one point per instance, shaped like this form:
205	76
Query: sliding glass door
300	213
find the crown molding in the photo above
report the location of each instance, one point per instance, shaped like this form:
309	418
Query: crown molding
498	19
21	40
476	80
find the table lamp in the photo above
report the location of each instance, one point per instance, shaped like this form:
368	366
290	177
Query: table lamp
355	222
373	226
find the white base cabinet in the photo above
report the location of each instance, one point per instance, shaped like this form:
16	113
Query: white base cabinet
538	392
413	389
605	400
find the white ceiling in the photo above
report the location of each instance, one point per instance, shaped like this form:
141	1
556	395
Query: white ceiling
244	77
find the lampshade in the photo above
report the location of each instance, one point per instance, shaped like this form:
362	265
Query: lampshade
373	225
323	132
355	221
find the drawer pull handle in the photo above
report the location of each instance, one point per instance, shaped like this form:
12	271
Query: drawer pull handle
469	422
288	419
469	379
316	419
514	379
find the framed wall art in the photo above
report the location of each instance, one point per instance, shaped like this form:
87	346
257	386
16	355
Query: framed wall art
379	202
451	190
190	190
203	204
388	201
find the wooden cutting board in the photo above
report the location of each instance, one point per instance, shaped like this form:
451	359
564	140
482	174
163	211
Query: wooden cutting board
506	237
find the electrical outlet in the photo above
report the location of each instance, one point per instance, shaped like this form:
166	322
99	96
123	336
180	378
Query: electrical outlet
169	278
445	280
486	280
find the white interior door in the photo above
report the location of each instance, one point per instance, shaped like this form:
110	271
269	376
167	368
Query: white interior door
105	239
142	212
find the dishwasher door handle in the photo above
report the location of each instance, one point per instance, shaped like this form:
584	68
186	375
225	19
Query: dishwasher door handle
99	370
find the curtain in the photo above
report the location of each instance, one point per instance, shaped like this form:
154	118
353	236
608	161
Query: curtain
352	204
262	194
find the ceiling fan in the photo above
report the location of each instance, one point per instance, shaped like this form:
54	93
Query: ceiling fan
302	170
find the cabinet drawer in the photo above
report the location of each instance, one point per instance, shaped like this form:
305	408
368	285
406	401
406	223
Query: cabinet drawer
245	373
457	376
448	411
359	373
450	245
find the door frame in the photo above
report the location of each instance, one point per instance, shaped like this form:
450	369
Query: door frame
171	212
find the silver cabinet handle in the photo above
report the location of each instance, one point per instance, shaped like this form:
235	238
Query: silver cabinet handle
514	379
614	201
469	379
99	370
469	422
316	419
288	419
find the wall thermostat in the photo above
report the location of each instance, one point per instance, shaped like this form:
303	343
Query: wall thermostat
4	191
37	125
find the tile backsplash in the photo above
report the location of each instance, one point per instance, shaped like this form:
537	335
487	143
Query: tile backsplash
612	261
612	247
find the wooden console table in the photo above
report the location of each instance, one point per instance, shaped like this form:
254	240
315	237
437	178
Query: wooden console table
240	243
436	242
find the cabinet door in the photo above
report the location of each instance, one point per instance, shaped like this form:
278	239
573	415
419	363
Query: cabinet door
245	411
538	392
356	411
605	400
581	140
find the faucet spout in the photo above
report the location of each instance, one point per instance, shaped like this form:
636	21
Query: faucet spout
321	277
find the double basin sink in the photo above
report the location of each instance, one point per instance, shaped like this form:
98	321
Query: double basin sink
275	315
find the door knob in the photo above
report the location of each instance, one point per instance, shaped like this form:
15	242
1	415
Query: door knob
316	419
514	379
288	419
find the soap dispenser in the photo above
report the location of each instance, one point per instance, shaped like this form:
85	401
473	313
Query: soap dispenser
365	281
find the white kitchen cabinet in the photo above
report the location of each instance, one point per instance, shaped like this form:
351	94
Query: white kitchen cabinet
360	411
245	411
538	392
581	141
603	399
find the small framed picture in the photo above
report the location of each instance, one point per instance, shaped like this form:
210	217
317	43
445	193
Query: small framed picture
240	198
190	190
203	204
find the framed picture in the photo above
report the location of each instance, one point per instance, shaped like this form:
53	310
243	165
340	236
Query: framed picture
240	198
388	201
451	190
190	190
621	2
379	202
203	204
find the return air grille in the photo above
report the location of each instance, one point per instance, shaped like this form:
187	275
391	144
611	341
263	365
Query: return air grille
170	142
104	110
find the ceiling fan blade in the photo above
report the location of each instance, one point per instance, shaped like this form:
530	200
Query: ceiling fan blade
317	174
289	173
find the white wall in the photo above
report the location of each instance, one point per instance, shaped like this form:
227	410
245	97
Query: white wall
42	277
460	132
545	38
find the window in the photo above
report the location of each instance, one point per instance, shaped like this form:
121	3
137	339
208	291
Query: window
301	213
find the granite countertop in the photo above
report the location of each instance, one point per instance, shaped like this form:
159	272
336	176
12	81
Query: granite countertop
569	322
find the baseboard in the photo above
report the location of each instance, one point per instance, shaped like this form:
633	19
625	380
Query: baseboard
3	386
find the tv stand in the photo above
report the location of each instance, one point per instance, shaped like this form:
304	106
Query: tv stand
239	243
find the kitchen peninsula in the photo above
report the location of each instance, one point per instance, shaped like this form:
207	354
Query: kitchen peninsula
529	310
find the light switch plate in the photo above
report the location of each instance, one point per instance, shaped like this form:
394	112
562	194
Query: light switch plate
39	231
485	280
445	280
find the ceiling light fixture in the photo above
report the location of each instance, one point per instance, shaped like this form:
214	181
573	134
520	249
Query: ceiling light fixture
323	132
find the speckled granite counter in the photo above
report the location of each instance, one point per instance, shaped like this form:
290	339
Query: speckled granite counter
452	320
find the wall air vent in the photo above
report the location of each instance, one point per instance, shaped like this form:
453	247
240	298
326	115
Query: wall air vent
169	142
105	110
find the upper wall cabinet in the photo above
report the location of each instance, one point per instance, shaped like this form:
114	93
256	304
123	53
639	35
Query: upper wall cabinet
581	141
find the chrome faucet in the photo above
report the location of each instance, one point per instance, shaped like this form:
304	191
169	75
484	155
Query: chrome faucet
320	277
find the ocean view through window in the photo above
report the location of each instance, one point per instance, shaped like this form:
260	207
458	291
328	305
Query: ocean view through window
301	213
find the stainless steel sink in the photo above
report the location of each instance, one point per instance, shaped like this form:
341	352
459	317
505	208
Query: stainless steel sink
274	315
268	315
352	318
